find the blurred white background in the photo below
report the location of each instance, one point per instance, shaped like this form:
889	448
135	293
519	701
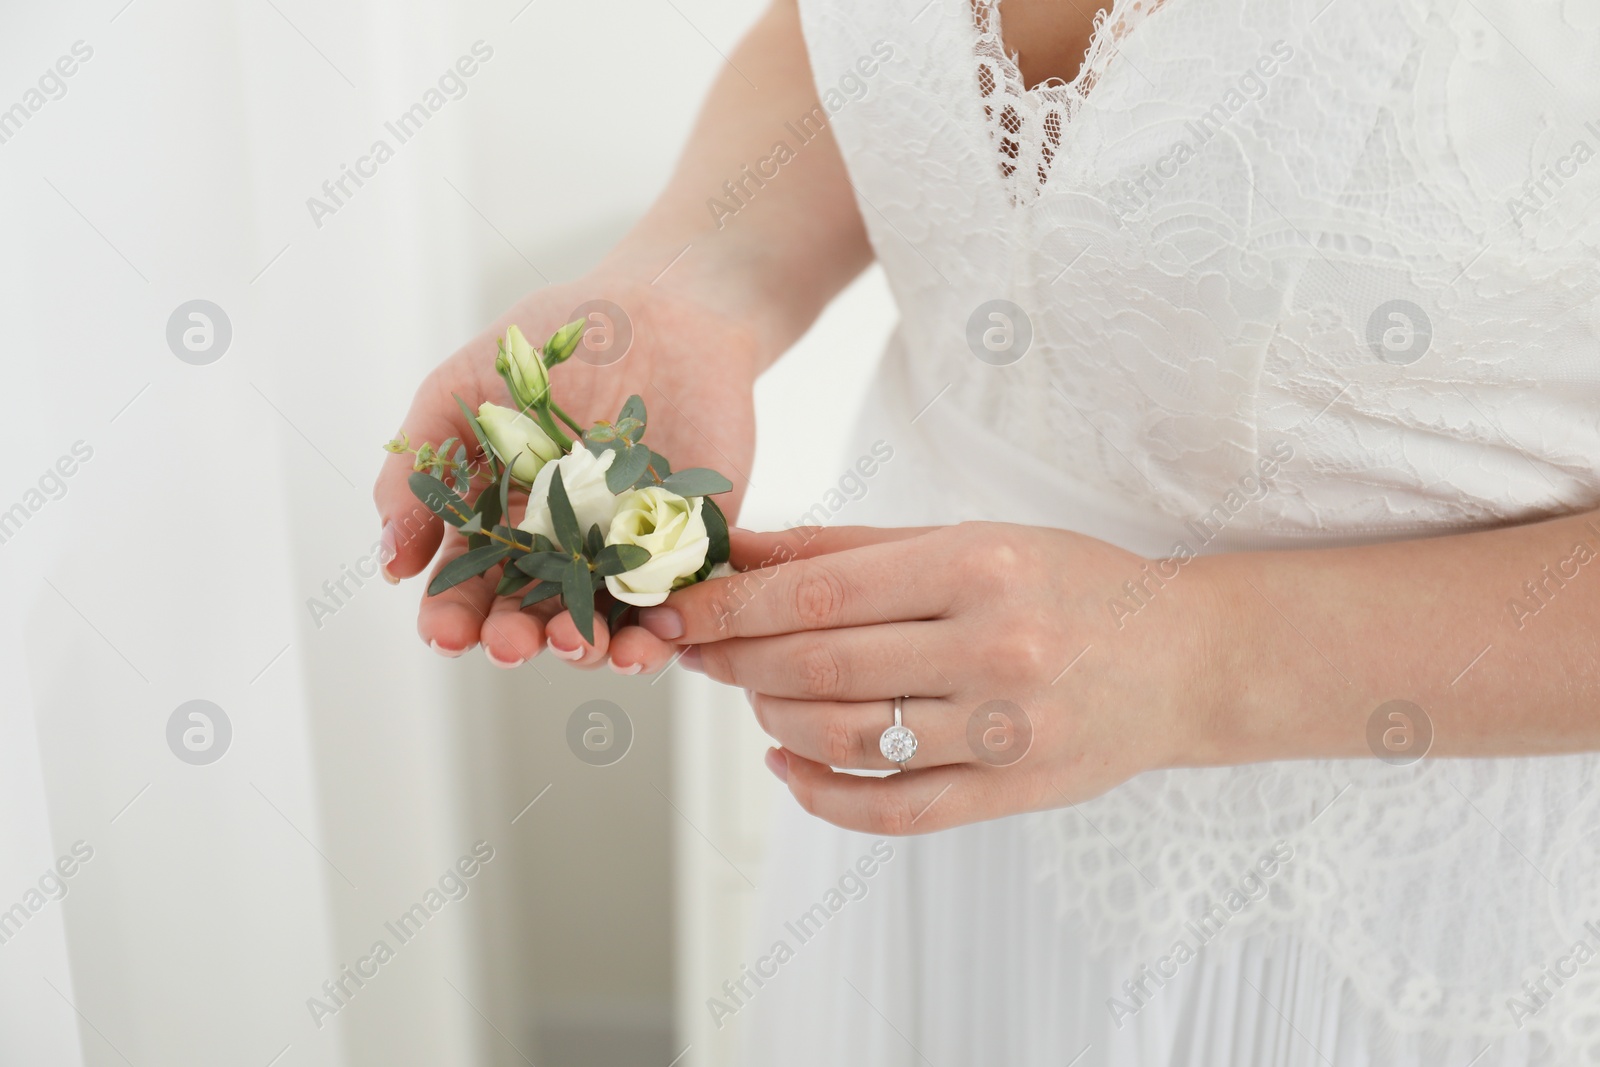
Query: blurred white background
178	561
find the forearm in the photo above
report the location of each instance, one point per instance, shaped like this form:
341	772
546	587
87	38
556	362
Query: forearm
1495	635
789	236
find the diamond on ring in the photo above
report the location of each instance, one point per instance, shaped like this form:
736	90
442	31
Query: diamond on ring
898	744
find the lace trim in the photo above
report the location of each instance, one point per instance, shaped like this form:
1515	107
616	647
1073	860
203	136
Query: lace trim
1027	125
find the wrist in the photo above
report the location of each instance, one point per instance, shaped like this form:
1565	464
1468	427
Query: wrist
741	274
1222	680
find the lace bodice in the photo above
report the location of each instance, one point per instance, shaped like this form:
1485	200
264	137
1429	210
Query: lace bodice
1356	238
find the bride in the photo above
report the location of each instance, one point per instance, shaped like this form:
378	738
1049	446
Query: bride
1237	564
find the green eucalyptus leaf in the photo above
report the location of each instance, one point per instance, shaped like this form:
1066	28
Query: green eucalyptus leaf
659	468
524	539
487	518
440	498
542	591
696	481
465	566
546	566
541	543
512	581
717	530
504	496
577	592
634	409
562	516
615	612
477	428
593	543
625	470
615	559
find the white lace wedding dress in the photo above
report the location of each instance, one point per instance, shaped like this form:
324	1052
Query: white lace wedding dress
1357	235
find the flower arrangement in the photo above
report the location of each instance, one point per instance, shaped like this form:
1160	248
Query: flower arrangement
606	516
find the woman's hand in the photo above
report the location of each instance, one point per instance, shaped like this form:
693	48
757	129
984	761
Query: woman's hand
695	370
1026	689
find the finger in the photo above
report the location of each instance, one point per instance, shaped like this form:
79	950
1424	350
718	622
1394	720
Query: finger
887	581
511	636
452	622
414	535
751	550
916	802
859	663
846	735
635	650
567	643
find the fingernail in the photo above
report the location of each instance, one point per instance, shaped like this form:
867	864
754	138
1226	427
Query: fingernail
571	655
448	653
778	764
387	552
501	663
634	668
690	659
665	623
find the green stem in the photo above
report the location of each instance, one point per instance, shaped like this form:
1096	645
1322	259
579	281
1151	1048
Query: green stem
518	545
568	419
550	427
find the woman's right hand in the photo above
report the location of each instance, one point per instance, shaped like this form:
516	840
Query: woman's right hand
695	369
712	301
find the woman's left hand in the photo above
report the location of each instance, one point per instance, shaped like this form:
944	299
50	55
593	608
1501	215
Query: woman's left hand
1027	688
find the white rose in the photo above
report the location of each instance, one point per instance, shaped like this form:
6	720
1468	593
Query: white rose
518	440
673	531
583	475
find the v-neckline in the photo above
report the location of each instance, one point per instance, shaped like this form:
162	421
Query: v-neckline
1054	102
